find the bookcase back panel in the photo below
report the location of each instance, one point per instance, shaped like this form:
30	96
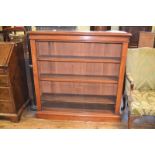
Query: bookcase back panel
50	48
107	69
78	88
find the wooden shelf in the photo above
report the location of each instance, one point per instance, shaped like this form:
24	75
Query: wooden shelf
78	114
80	99
79	78
73	105
87	59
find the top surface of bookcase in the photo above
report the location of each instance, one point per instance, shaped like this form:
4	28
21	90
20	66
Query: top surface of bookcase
74	36
91	33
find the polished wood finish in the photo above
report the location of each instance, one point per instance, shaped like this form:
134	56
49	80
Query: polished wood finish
78	88
121	79
11	35
78	78
79	59
35	74
78	114
79	75
4	80
13	84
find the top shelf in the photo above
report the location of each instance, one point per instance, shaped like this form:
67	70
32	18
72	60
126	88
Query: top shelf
56	58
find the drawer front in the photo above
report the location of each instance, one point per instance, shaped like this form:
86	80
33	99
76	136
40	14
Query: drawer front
3	71
4	81
6	107
5	94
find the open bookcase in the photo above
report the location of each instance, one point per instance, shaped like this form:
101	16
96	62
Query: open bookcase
79	75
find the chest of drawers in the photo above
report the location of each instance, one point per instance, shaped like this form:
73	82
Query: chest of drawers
13	83
79	75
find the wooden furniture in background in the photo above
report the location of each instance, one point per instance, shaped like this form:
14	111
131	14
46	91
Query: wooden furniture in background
100	28
13	83
12	35
8	30
55	28
134	30
146	39
1	36
79	75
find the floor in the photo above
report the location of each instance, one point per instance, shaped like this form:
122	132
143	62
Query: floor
28	121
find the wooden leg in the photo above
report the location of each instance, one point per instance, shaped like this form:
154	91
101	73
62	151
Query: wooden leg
14	119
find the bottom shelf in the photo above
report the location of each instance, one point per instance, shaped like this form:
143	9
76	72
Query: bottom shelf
78	107
47	105
83	102
78	115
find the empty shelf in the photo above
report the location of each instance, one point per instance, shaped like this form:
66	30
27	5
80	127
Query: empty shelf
79	78
71	98
79	59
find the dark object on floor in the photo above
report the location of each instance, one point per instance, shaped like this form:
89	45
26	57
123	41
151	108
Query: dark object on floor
13	83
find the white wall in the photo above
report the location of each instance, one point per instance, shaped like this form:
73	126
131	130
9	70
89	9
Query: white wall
114	27
153	28
83	28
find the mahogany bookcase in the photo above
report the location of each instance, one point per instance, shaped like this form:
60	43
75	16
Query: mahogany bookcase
79	75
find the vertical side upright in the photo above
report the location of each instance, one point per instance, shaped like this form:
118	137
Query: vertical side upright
35	74
121	77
